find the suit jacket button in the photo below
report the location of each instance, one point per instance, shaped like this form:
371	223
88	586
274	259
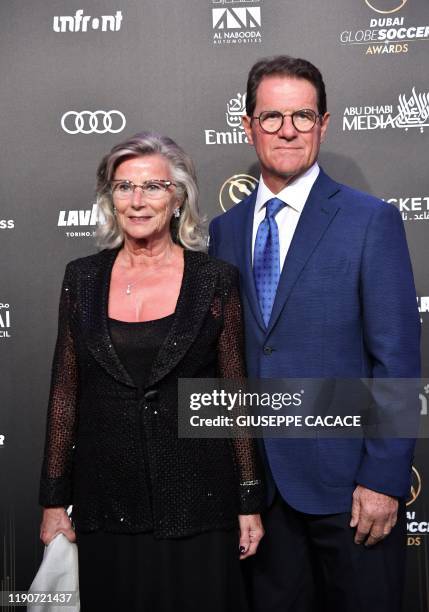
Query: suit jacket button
267	350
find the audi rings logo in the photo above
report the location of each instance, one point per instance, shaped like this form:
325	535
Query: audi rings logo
235	189
376	5
93	122
416	487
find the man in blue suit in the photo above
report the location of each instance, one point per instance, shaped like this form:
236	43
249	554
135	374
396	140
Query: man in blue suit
327	291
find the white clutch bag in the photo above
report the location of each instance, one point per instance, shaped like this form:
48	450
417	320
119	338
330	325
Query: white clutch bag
58	572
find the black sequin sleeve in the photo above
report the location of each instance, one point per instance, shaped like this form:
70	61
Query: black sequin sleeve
55	487
232	366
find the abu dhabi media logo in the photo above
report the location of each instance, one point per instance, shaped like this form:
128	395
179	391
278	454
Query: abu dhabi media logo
235	189
235	109
5	321
412	208
411	113
385	32
93	122
236	22
6	224
80	223
82	23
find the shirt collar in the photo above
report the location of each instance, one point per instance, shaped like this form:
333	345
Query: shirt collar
295	195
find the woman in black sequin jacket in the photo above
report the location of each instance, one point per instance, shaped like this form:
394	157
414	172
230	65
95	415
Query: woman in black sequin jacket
112	447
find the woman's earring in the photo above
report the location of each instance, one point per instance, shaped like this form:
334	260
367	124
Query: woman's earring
114	211
176	212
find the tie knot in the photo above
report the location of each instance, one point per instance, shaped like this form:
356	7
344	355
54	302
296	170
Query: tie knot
273	206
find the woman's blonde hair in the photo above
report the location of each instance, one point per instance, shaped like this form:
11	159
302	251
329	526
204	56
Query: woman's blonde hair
189	229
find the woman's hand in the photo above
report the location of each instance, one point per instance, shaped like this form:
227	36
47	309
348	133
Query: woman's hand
251	532
54	521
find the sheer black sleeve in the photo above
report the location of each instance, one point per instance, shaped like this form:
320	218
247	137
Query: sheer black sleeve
231	365
55	485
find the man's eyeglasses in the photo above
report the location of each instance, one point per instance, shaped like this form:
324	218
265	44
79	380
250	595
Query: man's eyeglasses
303	120
153	189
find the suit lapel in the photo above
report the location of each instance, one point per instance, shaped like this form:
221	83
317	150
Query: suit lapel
196	294
318	213
98	338
244	255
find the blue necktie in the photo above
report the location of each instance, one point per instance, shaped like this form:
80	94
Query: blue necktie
266	258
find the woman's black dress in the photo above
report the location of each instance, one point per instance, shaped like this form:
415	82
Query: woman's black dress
136	572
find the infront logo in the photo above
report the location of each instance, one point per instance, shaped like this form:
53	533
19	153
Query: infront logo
378	6
2	438
97	122
81	23
235	189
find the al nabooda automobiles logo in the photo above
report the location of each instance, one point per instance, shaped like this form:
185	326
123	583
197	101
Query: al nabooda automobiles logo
234	24
386	32
235	109
412	112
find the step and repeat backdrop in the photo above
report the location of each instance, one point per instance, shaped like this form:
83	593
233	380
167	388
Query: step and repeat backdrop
78	77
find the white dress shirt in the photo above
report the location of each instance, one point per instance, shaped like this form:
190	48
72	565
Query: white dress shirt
295	196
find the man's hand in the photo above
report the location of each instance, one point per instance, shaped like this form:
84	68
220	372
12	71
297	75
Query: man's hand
373	514
251	532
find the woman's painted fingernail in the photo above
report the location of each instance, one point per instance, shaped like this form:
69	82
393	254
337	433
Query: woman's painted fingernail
242	549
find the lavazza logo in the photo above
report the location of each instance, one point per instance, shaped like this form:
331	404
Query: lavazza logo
236	22
411	113
412	208
386	32
5	321
82	23
235	109
80	223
